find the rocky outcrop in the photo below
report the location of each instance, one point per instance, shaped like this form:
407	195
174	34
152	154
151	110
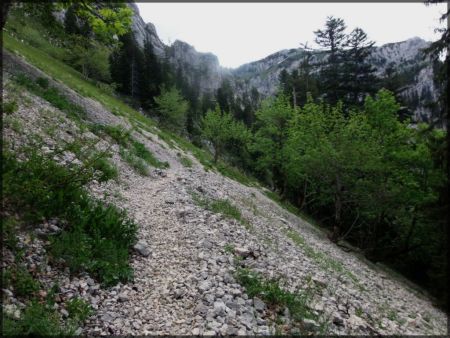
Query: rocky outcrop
143	31
201	70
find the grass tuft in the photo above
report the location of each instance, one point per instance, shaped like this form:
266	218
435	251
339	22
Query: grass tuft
275	297
186	161
10	107
222	206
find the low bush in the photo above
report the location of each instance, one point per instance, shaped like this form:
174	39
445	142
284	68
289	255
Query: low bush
136	163
108	171
10	107
37	319
97	237
24	283
275	297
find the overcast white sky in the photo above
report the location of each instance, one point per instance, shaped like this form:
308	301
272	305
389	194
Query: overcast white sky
243	32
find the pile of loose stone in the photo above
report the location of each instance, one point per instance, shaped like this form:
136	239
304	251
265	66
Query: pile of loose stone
184	271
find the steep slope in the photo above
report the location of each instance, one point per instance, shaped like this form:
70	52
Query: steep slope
189	252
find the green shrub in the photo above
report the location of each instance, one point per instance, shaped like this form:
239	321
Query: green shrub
39	187
13	123
78	309
108	170
139	150
10	240
97	237
172	109
133	152
226	208
223	207
10	107
37	319
119	134
7	277
275	297
24	284
135	162
42	82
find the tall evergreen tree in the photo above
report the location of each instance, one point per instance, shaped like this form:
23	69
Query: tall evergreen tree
358	78
127	66
151	76
332	37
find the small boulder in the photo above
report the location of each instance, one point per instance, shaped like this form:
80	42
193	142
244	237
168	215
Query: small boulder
258	304
243	252
142	249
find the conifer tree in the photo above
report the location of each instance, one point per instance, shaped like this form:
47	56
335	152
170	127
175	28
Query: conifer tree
332	37
151	76
358	78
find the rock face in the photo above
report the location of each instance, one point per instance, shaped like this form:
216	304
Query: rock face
201	70
144	31
404	57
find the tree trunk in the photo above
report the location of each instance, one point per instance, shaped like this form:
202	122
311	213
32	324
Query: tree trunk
216	154
337	210
294	97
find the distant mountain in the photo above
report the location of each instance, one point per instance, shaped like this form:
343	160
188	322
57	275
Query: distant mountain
405	58
203	71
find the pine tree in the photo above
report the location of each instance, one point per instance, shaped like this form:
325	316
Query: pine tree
358	77
127	66
333	39
151	76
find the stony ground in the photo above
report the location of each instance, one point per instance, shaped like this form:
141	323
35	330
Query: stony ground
183	265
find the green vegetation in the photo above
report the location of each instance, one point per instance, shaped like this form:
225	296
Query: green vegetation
221	206
10	107
186	161
93	159
139	150
72	78
276	298
23	282
222	130
37	319
320	258
172	109
9	239
132	151
134	162
97	237
78	309
228	248
41	88
272	121
108	171
13	122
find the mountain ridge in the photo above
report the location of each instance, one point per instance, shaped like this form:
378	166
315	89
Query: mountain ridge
204	72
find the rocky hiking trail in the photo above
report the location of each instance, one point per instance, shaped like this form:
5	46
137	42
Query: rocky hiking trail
186	286
187	256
